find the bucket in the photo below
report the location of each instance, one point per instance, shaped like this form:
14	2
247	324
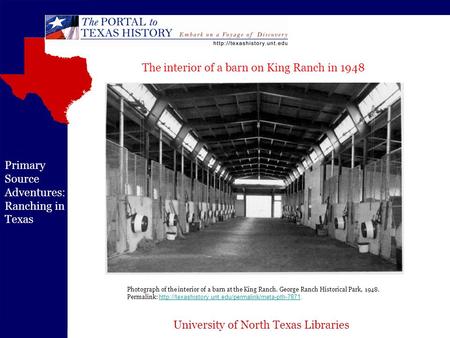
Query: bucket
321	231
363	247
171	236
194	227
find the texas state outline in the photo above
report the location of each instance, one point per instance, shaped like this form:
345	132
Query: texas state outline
58	81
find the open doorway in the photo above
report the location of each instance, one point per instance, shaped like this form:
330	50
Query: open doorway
258	206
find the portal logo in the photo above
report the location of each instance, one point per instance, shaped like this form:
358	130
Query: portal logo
62	27
98	27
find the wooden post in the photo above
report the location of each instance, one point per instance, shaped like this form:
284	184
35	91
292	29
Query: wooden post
147	163
245	203
175	174
363	166
388	152
332	163
220	191
122	150
214	187
182	160
207	185
196	169
192	180
160	147
160	165
271	205
353	152
339	174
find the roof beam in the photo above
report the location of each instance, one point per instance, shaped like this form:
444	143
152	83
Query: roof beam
287	121
267	148
299	94
215	91
237	159
257	165
217	121
281	171
285	91
262	177
267	165
254	167
275	151
262	170
255	172
263	135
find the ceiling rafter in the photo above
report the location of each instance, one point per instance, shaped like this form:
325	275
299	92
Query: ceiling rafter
285	91
260	126
262	135
258	165
266	158
280	120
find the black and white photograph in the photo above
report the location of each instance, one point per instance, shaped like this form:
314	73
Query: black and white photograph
254	177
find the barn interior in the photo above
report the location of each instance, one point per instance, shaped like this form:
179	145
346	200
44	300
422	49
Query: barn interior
257	177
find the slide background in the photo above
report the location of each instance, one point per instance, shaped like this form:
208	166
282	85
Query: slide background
33	260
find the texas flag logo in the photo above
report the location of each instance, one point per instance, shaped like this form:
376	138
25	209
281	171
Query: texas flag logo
63	27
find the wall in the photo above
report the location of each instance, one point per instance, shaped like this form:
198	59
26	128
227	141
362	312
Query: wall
349	193
383	244
313	181
240	208
143	206
116	237
120	236
158	193
183	191
339	234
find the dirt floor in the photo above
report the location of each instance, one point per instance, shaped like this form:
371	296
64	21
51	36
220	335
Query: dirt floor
249	244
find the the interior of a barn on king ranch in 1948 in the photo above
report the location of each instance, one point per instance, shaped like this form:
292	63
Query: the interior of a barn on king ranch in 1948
254	177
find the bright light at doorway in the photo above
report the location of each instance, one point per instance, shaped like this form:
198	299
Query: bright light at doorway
258	206
248	181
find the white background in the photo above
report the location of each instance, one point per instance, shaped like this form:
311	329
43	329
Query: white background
410	50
